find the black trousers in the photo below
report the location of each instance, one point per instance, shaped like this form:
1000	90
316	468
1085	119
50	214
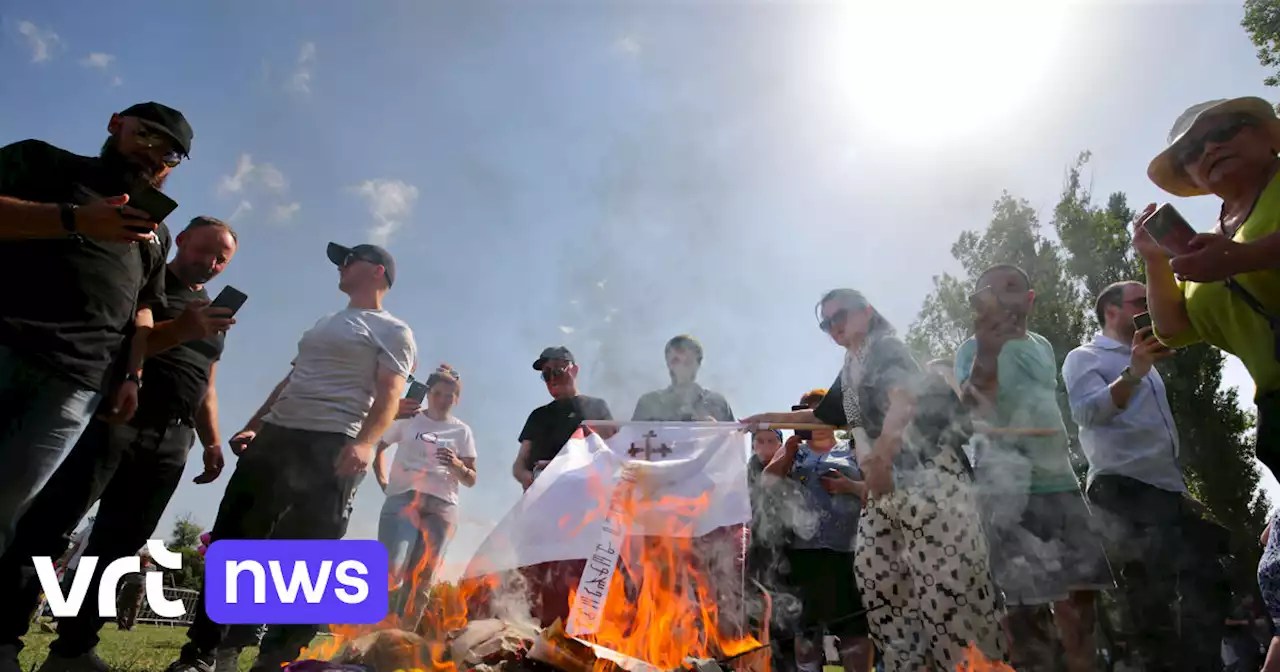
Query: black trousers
134	469
1167	563
285	486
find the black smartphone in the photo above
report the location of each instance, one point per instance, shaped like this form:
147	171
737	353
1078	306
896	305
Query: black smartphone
984	301
1170	229
153	202
1141	321
417	391
231	298
803	434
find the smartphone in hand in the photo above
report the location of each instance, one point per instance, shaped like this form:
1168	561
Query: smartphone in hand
417	391
230	298
1141	321
803	434
1168	227
984	301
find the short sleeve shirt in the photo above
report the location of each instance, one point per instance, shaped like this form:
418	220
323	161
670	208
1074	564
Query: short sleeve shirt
1027	375
824	520
415	467
332	384
551	426
89	290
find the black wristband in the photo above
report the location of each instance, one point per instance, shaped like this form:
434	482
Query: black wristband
67	213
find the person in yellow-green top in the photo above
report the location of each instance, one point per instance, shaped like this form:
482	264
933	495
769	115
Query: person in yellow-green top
1226	148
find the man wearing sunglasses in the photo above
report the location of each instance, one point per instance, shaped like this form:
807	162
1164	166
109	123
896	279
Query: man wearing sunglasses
304	453
102	267
546	431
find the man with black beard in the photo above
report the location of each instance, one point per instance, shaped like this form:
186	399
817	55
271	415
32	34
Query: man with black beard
101	271
133	468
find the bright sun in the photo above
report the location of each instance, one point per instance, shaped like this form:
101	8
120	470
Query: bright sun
924	71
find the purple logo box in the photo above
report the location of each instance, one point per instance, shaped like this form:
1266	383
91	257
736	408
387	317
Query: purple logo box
295	581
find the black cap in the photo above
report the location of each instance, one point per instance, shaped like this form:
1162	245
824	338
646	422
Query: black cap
373	254
166	119
555	352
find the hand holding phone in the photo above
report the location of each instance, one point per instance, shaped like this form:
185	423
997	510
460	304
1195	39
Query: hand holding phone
1141	321
417	391
230	299
153	202
802	434
1167	226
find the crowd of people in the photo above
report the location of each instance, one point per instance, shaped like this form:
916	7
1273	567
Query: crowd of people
930	507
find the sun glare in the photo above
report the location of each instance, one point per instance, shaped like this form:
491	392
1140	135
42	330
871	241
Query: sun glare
925	72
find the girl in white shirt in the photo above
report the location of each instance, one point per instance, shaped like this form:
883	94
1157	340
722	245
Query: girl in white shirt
436	452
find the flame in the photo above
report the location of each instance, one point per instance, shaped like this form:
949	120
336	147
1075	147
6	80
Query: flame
669	612
974	661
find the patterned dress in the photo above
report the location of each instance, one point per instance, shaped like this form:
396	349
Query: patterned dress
921	557
1269	572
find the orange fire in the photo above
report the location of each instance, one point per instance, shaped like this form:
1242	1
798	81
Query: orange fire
974	661
671	612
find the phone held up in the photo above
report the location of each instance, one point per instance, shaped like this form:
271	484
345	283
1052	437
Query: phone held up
153	202
1141	321
230	298
984	301
417	391
1167	226
803	434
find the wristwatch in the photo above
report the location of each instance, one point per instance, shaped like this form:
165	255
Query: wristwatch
1130	377
67	213
137	380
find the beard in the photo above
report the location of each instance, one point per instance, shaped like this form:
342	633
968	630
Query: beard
132	172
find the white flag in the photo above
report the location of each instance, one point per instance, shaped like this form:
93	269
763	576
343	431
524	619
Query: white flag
694	481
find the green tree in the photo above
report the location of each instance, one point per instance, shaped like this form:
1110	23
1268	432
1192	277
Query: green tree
1013	237
185	539
1094	250
1262	22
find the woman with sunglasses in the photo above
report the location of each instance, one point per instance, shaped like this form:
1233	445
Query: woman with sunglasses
1224	288
920	556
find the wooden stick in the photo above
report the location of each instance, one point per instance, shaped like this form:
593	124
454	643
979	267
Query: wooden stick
979	428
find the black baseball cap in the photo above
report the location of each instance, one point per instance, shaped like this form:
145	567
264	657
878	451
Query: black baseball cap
373	254
554	352
166	119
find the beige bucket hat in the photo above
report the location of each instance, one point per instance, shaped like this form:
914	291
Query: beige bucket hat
1164	169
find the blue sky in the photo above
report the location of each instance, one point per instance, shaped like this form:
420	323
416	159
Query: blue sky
607	175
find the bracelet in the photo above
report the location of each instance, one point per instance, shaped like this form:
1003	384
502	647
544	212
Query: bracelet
67	213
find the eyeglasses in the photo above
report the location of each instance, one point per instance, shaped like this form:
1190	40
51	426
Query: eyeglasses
549	375
153	139
837	317
1191	150
353	257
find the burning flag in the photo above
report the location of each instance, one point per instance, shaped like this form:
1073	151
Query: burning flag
689	481
628	525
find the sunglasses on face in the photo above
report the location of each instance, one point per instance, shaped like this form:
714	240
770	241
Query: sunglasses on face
152	140
549	375
1192	150
354	257
835	318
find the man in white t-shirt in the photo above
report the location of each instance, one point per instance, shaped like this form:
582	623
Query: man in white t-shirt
435	452
304	453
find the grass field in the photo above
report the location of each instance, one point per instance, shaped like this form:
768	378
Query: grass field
147	648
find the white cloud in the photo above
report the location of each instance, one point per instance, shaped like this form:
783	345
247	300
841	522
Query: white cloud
566	329
234	183
300	81
98	60
627	46
285	213
248	174
240	211
390	202
116	81
41	41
